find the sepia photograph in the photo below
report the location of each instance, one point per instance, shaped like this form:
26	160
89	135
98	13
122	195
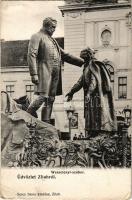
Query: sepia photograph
66	112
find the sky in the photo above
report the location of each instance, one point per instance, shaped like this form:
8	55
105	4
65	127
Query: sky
21	19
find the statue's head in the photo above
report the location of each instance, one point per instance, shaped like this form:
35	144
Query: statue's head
87	54
49	25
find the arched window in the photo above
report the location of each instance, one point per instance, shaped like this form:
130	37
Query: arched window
110	68
106	37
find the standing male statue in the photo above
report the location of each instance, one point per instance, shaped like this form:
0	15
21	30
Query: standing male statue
44	60
99	108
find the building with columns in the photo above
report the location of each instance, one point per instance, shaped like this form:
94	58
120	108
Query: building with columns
104	26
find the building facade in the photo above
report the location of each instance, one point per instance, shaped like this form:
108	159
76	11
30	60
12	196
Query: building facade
104	26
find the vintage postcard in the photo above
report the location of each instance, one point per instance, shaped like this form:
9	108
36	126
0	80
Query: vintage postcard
66	97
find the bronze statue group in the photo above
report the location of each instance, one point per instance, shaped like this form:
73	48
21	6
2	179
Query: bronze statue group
44	59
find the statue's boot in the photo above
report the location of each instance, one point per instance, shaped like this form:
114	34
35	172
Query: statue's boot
47	110
35	105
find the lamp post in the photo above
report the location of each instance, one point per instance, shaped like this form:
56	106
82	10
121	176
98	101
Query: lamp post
127	123
70	112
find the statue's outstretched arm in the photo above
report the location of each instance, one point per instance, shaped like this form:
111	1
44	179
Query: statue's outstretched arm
74	60
75	88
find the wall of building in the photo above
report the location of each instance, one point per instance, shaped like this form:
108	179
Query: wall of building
18	77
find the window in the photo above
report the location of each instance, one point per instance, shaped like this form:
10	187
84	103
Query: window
30	91
106	37
10	90
122	87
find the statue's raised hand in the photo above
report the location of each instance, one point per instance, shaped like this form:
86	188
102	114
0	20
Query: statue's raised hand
69	96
